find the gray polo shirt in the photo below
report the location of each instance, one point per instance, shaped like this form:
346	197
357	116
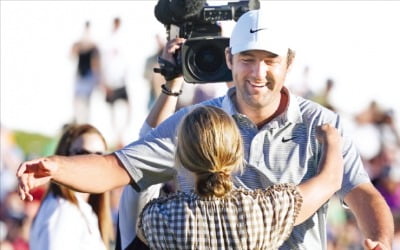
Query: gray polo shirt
283	151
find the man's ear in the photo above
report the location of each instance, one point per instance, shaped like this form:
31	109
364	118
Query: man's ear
228	58
290	58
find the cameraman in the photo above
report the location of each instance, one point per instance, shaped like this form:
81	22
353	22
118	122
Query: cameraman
278	130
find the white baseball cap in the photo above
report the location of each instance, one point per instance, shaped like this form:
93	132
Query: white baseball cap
253	31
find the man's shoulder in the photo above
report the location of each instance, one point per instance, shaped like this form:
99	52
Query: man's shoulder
311	110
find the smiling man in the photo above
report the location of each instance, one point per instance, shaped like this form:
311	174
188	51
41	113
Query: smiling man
277	127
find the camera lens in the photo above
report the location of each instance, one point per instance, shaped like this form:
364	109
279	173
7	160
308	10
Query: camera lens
203	60
209	59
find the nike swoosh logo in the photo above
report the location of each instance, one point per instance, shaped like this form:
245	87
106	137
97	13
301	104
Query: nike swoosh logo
256	30
288	139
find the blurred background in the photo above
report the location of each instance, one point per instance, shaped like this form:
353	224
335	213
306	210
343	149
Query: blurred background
347	55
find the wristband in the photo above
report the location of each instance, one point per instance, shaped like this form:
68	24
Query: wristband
167	91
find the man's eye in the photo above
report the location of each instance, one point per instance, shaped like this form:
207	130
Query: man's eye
247	60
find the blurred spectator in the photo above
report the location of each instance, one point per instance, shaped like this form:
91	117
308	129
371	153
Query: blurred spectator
17	215
10	157
350	237
4	243
388	184
372	114
342	229
114	75
385	122
13	212
154	79
382	124
323	98
68	219
87	75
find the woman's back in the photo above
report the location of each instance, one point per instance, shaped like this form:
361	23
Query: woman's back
259	219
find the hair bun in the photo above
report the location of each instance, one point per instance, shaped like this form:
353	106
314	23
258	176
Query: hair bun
221	174
214	183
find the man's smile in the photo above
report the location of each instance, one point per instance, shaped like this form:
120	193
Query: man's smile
257	84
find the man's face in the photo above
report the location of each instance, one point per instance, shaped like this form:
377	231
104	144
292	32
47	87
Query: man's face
259	77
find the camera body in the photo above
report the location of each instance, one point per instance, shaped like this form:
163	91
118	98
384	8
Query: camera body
202	56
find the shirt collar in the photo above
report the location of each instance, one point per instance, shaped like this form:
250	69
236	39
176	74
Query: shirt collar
228	103
292	113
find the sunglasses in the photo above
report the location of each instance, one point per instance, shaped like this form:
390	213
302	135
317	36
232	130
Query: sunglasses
84	152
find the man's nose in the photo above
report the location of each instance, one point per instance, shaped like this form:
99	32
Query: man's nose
260	69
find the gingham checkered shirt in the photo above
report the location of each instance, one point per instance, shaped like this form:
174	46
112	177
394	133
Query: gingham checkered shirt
258	219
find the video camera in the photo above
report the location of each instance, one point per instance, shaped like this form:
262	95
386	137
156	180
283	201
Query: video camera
202	56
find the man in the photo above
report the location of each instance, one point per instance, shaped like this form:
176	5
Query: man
278	130
114	73
86	52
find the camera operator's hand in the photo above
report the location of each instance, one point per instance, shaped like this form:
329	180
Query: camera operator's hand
165	104
170	68
171	48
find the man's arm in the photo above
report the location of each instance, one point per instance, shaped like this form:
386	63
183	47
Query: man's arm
86	173
92	173
372	214
165	105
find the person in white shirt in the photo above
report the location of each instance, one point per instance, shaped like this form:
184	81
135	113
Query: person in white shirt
71	220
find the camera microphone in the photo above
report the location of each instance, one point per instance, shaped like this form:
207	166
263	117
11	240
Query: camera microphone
178	11
201	59
254	4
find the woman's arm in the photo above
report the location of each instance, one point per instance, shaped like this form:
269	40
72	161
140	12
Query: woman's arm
317	190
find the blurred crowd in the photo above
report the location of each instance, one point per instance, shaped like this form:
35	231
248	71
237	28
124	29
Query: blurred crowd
380	126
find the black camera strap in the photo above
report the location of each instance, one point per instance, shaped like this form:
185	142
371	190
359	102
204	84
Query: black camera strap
168	69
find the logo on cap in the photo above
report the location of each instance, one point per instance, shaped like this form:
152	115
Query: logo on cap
256	30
